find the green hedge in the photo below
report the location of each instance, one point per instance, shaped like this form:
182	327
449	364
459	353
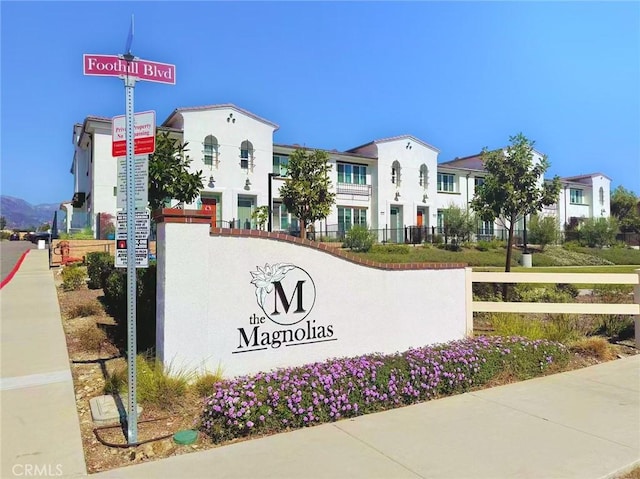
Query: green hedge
99	267
115	295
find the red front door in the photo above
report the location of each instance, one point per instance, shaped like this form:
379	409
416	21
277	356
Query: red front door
419	219
209	207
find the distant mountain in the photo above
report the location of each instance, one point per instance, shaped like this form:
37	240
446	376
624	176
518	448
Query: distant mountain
22	215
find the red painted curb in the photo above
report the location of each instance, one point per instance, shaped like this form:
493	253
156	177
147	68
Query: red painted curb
14	270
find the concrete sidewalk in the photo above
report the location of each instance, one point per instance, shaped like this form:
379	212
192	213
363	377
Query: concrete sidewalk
580	424
40	430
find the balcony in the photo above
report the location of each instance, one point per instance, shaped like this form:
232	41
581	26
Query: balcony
353	189
78	199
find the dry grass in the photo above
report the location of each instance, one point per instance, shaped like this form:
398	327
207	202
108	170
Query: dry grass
91	338
83	310
595	346
632	474
203	385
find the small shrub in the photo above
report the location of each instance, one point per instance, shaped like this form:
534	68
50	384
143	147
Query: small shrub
91	338
99	267
598	232
543	230
487	291
572	245
159	385
568	289
596	346
115	293
391	248
84	310
73	277
614	326
116	381
205	383
559	327
483	245
528	293
613	293
359	238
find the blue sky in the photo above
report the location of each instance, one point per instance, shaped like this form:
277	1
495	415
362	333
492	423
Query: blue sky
460	76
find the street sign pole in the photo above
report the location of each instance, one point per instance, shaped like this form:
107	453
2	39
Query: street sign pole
132	422
131	69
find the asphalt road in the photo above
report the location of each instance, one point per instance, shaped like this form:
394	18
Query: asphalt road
10	252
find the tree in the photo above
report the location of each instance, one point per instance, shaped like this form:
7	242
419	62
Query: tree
3	222
598	232
169	176
543	230
458	223
512	187
261	215
44	227
307	191
624	207
106	225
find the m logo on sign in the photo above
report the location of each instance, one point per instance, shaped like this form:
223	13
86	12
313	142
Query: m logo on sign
285	292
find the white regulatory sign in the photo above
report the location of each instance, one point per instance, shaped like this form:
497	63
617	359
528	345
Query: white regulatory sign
142	231
141	183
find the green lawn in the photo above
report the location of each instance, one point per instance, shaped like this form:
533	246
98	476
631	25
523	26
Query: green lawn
552	258
567	269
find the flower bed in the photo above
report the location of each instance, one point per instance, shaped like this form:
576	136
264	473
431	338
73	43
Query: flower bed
341	388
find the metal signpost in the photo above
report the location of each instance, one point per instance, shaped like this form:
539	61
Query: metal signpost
129	68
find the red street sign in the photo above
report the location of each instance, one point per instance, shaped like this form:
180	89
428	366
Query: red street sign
115	66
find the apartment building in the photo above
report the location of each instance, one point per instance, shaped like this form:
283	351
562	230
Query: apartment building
393	185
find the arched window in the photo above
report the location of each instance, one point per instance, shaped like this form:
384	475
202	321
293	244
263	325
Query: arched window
246	155
396	173
601	195
424	176
211	151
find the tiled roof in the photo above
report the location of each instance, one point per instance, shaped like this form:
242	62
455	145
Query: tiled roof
344	153
220	107
473	162
578	178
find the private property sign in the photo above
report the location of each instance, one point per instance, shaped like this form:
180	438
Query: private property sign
144	133
116	66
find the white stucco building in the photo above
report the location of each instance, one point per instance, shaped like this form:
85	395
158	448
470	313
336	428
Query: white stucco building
393	185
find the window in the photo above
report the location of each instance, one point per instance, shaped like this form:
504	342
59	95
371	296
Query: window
246	155
115	191
485	228
601	195
211	150
477	181
440	221
446	183
347	217
282	219
353	174
395	173
281	165
575	196
424	176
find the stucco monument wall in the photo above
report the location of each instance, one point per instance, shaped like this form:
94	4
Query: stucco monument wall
249	301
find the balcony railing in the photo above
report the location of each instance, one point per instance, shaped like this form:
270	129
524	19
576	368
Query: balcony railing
353	189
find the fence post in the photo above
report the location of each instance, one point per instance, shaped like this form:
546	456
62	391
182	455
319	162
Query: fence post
468	299
636	300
